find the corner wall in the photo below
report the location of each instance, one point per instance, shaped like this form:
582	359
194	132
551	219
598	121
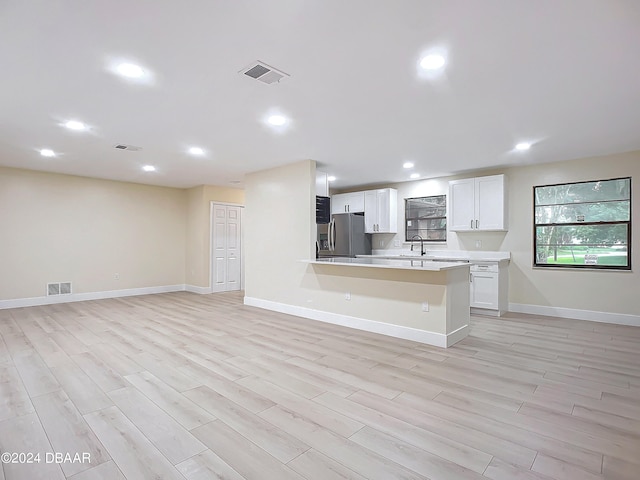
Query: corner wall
279	225
198	254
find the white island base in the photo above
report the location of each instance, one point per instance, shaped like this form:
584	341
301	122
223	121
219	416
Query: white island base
423	301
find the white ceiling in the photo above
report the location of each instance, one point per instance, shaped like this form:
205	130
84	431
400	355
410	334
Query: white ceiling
563	75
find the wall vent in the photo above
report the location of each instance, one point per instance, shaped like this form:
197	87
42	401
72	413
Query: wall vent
61	288
264	73
124	146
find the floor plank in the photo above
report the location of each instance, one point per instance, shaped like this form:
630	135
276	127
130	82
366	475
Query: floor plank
313	465
132	452
411	457
68	432
25	435
183	410
14	399
207	465
168	436
435	444
330	419
242	455
104	471
278	443
35	374
346	452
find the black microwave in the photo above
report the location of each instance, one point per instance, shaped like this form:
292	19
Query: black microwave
323	209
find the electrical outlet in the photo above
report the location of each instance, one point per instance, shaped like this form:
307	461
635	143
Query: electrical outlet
478	243
116	276
425	306
381	243
347	296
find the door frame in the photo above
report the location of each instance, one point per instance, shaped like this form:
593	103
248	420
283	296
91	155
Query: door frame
212	203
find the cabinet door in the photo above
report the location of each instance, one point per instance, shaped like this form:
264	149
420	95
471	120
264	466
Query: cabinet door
484	290
370	211
356	202
339	203
461	205
322	184
489	203
387	202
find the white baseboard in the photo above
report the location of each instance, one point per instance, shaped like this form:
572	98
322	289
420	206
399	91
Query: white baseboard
397	331
589	315
196	289
81	297
457	335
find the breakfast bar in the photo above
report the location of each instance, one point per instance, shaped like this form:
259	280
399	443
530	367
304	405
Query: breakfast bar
417	299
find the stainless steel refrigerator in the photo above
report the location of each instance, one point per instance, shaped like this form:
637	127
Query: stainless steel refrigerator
344	236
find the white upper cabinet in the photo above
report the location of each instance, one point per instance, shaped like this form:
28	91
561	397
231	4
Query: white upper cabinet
477	204
381	211
322	184
347	202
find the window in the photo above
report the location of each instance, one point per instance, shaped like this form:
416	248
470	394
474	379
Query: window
426	217
583	225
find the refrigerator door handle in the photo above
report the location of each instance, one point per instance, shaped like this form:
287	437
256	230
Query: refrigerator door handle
332	235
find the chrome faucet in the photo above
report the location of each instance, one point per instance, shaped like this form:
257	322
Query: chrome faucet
422	252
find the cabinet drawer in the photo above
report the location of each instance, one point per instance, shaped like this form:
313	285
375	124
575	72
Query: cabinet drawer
484	267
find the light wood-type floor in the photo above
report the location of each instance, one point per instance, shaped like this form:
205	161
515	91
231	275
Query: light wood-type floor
180	385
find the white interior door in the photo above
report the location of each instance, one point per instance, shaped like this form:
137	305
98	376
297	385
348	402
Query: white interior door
226	248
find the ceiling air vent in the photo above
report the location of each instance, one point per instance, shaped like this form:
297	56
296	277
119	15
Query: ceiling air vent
263	73
124	146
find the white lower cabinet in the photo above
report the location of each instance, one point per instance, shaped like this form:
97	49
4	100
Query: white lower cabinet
488	283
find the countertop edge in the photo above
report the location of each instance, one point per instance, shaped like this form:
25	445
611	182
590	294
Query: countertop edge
417	257
439	267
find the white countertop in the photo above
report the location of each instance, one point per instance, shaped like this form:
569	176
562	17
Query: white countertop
395	263
471	256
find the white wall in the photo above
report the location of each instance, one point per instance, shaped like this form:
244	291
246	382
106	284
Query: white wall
601	290
57	228
279	227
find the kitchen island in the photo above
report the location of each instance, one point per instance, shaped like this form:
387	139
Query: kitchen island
416	299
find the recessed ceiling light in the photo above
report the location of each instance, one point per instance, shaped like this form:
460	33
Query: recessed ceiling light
415	175
277	120
407	165
196	151
331	178
46	152
149	168
130	70
523	146
432	62
75	125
